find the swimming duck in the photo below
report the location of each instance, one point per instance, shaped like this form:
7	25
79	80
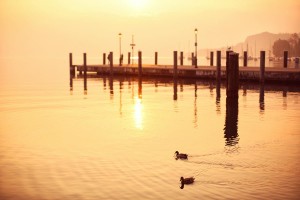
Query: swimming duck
181	155
186	181
189	180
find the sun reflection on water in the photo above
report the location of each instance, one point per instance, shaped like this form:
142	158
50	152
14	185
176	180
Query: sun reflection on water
138	113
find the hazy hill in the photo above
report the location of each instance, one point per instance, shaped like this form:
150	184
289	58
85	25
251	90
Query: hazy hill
258	42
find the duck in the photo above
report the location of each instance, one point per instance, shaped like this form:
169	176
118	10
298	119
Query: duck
184	181
181	155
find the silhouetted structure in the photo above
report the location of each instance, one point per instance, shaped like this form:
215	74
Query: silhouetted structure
140	63
285	59
232	71
155	59
85	72
104	58
181	58
218	66
262	66
245	58
211	58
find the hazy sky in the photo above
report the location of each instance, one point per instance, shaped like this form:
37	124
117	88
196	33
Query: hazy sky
56	27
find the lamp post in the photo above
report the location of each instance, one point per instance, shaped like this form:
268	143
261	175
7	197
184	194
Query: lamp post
195	61
120	40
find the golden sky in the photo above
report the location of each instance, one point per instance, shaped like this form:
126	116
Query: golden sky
54	27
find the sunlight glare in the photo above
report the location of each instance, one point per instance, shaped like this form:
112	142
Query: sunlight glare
138	114
138	4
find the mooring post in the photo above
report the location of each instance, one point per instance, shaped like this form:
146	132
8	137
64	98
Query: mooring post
129	58
84	72
227	64
211	58
285	59
175	64
111	62
233	75
72	68
104	58
140	63
262	66
245	58
193	59
218	66
155	59
181	58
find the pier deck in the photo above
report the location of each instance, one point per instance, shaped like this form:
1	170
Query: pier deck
245	73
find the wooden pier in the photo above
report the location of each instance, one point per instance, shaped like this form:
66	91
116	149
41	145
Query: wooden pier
268	74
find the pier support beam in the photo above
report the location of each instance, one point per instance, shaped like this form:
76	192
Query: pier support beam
84	72
262	66
140	63
285	59
193	59
129	58
181	58
211	58
72	68
175	72
111	62
218	66
245	58
155	58
104	58
232	87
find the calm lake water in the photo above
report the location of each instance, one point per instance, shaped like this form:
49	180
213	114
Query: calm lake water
117	140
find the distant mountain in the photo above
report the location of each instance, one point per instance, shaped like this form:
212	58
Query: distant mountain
258	42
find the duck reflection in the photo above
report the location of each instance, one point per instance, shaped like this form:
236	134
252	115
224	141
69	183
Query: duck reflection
231	121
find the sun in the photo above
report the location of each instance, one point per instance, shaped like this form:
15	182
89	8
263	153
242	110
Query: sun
139	4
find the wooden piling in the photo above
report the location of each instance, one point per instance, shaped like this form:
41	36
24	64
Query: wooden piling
245	58
85	72
211	58
111	62
193	59
175	72
233	75
218	66
129	58
262	66
72	68
181	58
285	59
104	58
155	59
140	63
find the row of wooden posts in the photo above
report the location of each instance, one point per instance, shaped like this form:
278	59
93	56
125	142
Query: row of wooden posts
232	69
245	58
